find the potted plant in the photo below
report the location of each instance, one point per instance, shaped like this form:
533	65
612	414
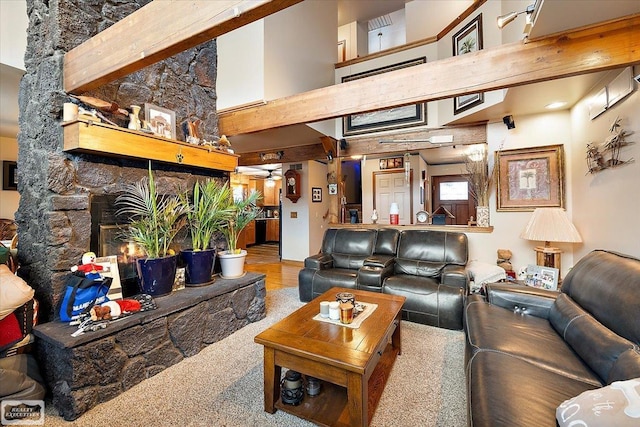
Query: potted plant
243	212
207	212
480	178
155	221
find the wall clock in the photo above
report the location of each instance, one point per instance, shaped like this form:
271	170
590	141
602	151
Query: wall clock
292	185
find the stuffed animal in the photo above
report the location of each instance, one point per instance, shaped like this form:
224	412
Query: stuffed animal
504	259
89	267
99	312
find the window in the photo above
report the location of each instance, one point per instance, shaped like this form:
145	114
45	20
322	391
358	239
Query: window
454	190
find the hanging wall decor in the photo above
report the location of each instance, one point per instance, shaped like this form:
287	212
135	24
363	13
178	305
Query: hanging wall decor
608	154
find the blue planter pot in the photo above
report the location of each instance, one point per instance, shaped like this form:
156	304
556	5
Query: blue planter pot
198	266
157	275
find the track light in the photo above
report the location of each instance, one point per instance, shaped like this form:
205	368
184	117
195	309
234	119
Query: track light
508	17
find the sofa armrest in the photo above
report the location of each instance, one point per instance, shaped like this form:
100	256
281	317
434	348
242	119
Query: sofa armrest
455	275
521	298
319	262
377	260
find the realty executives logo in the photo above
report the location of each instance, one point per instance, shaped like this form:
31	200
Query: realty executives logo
22	412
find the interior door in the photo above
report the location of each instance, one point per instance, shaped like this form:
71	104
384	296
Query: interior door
391	187
452	193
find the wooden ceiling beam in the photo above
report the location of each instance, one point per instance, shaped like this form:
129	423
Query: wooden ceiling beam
597	48
463	135
301	153
155	32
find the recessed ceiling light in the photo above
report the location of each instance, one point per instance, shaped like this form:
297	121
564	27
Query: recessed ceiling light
555	105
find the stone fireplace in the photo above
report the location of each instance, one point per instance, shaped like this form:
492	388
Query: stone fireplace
57	188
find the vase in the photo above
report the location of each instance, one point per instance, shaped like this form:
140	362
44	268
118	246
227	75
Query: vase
482	216
232	264
157	275
198	266
134	118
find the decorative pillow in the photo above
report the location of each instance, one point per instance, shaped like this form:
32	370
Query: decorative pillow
14	291
618	405
483	273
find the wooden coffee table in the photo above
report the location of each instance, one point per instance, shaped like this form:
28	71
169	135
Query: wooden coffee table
353	364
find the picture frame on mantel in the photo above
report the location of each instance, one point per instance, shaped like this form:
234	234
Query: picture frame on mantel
530	178
467	40
389	118
161	120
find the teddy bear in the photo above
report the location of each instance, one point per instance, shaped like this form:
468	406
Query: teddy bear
504	259
99	312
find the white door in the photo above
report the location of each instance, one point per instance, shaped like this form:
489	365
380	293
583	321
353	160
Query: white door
388	188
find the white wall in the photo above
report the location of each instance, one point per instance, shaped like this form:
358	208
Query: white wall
302	236
241	66
531	131
290	66
317	210
389	36
8	199
423	23
607	204
13	32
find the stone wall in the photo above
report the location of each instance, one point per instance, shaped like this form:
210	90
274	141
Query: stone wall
56	187
97	366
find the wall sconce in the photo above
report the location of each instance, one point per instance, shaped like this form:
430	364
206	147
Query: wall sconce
503	20
508	120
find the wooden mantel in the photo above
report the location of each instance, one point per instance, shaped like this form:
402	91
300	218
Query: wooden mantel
106	140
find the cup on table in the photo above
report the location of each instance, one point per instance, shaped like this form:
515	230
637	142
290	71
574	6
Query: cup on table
346	313
324	308
334	310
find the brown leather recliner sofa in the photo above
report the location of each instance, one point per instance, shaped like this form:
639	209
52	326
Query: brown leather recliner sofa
529	350
425	266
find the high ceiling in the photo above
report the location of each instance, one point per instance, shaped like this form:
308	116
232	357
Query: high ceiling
554	16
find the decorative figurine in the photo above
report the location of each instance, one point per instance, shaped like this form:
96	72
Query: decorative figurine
89	267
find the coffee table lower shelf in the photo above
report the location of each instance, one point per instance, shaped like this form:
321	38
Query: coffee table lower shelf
330	407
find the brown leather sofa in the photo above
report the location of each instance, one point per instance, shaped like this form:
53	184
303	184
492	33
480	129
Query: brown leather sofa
425	266
528	350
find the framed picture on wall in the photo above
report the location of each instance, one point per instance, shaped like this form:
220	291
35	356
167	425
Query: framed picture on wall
530	178
9	175
467	40
387	119
316	194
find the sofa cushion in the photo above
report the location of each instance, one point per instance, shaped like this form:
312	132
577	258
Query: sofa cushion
604	280
428	301
615	405
433	246
505	390
387	241
527	337
596	345
352	247
323	280
419	268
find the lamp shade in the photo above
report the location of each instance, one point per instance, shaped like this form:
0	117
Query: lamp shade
551	225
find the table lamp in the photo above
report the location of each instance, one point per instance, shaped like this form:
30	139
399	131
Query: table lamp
550	225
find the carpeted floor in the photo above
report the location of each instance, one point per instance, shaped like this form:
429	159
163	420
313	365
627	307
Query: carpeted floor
222	385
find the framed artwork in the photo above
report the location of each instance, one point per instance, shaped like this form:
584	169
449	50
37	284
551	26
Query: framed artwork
110	264
541	277
390	118
530	178
161	120
316	194
392	163
467	40
9	175
333	189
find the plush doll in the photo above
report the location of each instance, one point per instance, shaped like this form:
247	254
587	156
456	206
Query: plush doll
89	267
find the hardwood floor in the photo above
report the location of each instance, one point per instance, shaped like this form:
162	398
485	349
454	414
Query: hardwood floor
264	259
